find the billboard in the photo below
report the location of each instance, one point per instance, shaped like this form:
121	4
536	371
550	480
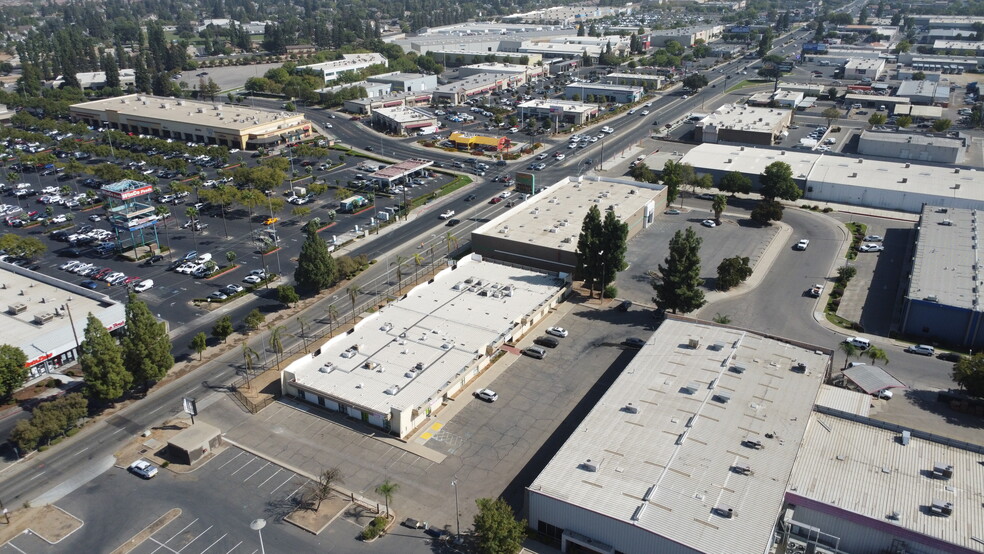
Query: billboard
740	29
815	47
526	183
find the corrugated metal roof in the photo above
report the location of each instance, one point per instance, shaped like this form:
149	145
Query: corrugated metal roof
671	429
872	379
943	268
866	470
844	400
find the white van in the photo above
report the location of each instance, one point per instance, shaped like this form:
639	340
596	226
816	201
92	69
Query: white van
204	258
859	342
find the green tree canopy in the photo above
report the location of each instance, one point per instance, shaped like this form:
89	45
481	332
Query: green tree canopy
941	125
316	269
223	328
287	295
588	246
199	343
101	360
777	182
146	345
13	369
969	374
497	528
766	211
831	114
614	239
735	183
678	287
732	272
254	319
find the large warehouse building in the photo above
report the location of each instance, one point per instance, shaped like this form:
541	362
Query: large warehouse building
542	231
192	120
46	317
888	185
943	303
743	124
689	450
723	441
404	362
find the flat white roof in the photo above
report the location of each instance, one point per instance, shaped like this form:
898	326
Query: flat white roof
746	118
843	170
404	114
565	105
943	264
444	325
25	295
864	470
552	218
671	427
348	62
496	67
920	139
958	45
864	63
193	112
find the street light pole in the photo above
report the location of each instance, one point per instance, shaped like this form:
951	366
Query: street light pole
258	525
457	514
601	256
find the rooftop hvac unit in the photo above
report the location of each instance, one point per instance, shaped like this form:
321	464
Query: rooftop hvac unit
41	319
691	388
392	390
739	369
742	469
752	443
722	397
589	465
15	309
693	343
724	511
941	508
906	437
630	409
942	470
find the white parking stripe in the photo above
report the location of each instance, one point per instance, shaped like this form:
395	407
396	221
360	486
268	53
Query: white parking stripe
244	466
231	459
235	547
282	484
196	538
162	545
270	477
291	495
12	545
255	472
214	543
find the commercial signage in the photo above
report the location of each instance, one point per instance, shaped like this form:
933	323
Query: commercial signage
132	193
814	47
740	29
39	359
525	183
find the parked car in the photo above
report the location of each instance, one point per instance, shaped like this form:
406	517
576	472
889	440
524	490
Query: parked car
633	342
487	395
535	352
146	284
624	306
870	247
549	342
921	349
802	244
557	332
873	238
709	223
144	469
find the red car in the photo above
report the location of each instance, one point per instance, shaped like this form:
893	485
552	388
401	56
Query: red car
495	200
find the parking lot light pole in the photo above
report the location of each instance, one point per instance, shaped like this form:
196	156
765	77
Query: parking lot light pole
457	514
258	525
601	255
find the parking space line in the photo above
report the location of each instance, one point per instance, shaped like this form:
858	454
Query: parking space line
214	543
162	545
235	547
231	459
14	546
298	489
196	538
282	484
244	465
178	533
255	472
270	477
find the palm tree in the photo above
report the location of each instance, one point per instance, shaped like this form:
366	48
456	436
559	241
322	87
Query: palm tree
162	212
418	261
718	205
849	351
400	260
353	291
387	489
276	344
450	240
303	324
192	214
332	319
250	356
876	354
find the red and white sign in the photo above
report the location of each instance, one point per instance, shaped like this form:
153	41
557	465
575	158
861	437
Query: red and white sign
132	193
39	359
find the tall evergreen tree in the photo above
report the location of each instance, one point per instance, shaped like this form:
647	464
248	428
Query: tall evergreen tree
146	345
112	71
614	238
316	269
679	285
141	75
588	246
101	359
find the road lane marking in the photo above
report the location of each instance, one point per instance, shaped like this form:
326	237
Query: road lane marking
36	476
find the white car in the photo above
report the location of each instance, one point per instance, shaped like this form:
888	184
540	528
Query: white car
447	214
921	349
487	395
144	469
252	279
59	219
709	223
873	238
505	194
560	157
870	247
802	244
143	285
542	156
557	332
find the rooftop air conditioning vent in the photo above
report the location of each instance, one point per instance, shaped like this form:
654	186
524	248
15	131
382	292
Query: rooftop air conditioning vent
752	443
717	346
724	511
41	319
739	369
392	390
942	470
15	309
742	468
589	466
906	436
941	508
630	409
691	388
693	343
722	397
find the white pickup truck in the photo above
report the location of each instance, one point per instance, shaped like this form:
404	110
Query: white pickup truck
448	214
